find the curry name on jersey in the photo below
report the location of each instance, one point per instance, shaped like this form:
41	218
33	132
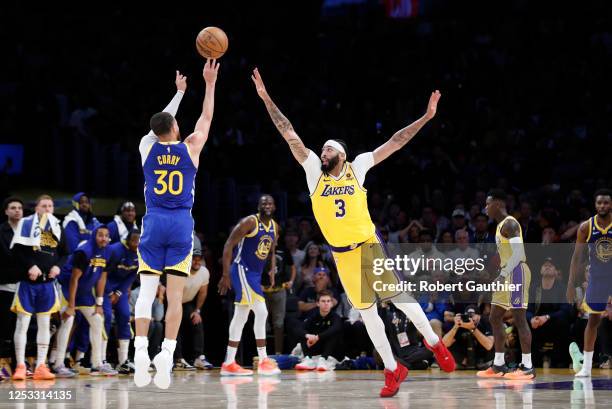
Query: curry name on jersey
169	176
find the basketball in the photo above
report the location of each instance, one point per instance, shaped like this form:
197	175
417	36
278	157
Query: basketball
211	42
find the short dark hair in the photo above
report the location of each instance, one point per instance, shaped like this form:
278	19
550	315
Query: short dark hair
132	233
426	232
10	200
603	192
341	142
498	194
324	293
161	123
479	215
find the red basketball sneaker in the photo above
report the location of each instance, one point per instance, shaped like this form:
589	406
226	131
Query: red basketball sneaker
443	356
393	380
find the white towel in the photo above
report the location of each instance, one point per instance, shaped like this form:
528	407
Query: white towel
74	216
29	230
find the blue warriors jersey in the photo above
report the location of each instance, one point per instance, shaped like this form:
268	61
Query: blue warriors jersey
254	248
600	251
169	176
122	267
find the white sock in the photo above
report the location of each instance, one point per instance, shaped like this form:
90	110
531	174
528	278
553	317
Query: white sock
104	348
230	355
95	337
122	351
588	360
43	336
261	316
527	361
499	359
53	356
415	313
376	330
141	342
79	355
21	337
62	339
261	352
169	345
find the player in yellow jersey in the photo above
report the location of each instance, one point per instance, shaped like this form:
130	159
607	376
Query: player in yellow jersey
339	203
517	277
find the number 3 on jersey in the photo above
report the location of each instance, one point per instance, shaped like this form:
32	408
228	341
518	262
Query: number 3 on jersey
341	210
169	182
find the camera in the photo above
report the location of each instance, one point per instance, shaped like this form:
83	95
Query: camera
466	317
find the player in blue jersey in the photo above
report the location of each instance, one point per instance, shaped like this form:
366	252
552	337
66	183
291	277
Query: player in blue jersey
595	239
245	253
166	244
122	267
83	279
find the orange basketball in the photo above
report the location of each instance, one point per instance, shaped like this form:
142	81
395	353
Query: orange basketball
211	42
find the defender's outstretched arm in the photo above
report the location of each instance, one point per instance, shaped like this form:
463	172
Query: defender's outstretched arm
299	151
403	136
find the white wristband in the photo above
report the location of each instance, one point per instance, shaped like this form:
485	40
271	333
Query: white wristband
99	301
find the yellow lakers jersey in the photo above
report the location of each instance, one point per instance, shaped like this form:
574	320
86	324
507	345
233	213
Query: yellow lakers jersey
341	209
503	244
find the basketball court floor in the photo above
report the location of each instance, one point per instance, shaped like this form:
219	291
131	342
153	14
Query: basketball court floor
340	389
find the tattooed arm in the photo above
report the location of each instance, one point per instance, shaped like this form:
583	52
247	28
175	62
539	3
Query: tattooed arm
403	136
299	151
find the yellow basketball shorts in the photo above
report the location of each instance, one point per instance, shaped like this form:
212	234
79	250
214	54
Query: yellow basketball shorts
515	299
356	271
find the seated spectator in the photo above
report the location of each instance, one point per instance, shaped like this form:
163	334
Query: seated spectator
470	339
446	239
190	340
404	235
321	334
458	221
463	249
308	296
434	303
312	260
425	249
404	338
549	316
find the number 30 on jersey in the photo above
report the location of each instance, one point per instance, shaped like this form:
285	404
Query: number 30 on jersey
171	182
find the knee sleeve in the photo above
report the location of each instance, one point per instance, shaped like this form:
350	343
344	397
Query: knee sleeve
43	335
261	315
146	296
241	314
374	326
23	322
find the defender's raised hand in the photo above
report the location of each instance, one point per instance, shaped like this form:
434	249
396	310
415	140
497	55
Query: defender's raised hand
211	68
259	85
180	81
433	104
